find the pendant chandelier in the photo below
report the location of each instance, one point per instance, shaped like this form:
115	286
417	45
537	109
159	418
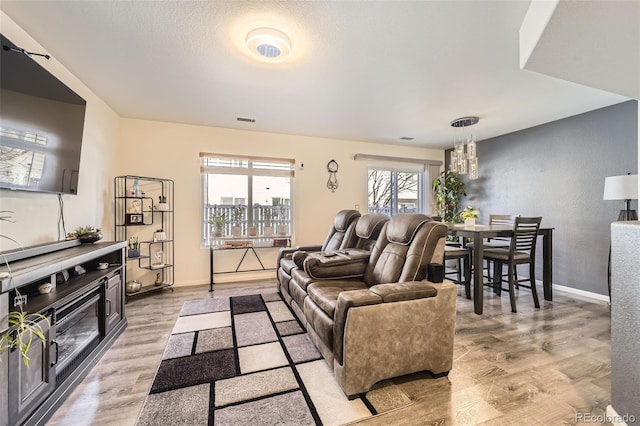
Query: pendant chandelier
463	156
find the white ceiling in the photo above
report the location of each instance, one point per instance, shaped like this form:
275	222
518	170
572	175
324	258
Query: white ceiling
359	70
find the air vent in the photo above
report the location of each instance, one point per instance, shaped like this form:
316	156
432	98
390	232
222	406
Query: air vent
406	138
246	120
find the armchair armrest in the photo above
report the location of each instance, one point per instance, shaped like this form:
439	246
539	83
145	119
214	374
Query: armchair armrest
336	264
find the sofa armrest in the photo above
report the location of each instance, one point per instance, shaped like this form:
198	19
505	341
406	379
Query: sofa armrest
347	300
393	339
409	290
285	253
336	264
378	294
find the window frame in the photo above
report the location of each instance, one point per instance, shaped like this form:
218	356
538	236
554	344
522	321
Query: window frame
249	166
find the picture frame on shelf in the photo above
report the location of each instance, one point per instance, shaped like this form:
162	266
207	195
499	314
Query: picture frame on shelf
134	219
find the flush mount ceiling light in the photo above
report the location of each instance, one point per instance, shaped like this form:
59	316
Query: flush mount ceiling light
269	45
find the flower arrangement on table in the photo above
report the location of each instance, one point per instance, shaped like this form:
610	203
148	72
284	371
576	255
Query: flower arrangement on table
469	215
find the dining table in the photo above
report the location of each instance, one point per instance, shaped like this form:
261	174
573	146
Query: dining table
480	232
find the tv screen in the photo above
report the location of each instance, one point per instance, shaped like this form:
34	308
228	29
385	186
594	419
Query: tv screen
41	125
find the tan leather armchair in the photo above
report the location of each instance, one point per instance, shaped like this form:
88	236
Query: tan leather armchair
377	317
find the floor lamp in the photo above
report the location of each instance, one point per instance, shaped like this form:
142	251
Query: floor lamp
625	188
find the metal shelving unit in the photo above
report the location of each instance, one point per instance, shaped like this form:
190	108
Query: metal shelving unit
140	214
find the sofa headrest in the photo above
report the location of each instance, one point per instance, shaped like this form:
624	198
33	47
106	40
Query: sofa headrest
402	227
370	225
344	218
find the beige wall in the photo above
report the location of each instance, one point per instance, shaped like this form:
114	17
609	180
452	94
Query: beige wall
36	214
171	151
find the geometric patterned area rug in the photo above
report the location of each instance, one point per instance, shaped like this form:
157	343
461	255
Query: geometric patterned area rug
247	360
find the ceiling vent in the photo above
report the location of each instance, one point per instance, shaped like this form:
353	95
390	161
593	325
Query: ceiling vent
246	120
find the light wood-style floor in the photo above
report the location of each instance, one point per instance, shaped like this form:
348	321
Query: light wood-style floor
536	367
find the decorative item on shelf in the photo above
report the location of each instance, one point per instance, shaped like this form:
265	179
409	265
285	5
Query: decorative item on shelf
461	160
252	231
159	235
103	265
158	280
45	288
332	168
162	204
158	259
448	191
218	220
469	215
134	247
88	234
237	213
133	286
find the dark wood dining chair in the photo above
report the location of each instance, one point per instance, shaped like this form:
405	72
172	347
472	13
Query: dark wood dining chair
462	256
522	250
495	242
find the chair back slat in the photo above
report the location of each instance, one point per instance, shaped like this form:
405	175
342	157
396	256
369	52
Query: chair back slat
525	234
501	219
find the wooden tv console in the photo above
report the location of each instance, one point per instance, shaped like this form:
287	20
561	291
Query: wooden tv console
85	314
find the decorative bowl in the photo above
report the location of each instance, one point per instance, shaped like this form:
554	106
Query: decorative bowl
45	288
91	237
133	286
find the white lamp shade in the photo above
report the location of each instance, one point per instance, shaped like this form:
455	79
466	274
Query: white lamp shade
623	187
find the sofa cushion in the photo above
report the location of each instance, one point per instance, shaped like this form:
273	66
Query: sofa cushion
325	293
319	321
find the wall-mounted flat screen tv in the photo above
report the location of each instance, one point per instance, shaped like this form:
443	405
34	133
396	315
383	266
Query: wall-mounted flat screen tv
41	125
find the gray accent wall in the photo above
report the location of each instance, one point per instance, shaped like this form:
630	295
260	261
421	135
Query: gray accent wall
557	171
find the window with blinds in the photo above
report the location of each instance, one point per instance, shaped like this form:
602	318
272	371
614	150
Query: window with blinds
250	193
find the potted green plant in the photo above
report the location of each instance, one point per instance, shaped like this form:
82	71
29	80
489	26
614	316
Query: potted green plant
88	234
448	191
218	220
267	214
469	215
237	214
282	215
134	247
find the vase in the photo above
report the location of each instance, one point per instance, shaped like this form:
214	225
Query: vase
134	252
470	221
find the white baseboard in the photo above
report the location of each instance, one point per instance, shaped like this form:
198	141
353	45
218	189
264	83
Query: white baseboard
583	293
616	419
231	278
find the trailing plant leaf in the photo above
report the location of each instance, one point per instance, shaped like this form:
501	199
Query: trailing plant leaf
22	328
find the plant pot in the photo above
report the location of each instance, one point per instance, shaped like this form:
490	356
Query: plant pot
268	230
133	252
237	231
253	231
282	229
470	222
218	232
162	207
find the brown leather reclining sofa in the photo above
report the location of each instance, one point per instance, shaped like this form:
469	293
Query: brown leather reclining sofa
372	313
